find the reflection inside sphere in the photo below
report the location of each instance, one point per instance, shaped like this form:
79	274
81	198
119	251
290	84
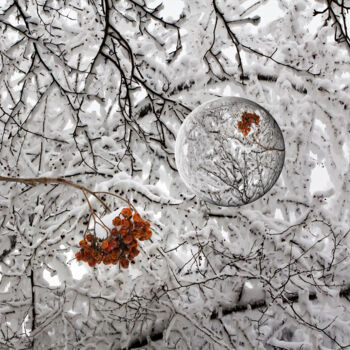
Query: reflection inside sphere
229	151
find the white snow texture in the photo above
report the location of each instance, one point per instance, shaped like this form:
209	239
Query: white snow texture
95	92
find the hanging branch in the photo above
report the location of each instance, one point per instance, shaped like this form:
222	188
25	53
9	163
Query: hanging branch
120	245
33	181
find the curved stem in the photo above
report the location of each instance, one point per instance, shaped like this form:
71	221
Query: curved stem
33	181
267	148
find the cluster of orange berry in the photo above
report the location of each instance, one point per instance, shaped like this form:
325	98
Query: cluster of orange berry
121	243
246	122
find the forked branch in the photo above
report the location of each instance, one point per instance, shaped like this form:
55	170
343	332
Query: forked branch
120	244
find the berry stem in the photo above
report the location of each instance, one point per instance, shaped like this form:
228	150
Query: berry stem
33	181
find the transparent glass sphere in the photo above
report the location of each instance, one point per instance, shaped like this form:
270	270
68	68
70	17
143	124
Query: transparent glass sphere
229	151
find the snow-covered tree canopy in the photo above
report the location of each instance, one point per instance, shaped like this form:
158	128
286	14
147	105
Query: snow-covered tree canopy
94	92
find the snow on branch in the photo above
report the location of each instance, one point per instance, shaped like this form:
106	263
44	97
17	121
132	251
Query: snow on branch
92	95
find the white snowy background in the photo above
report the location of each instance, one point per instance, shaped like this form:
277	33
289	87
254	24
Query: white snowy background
95	91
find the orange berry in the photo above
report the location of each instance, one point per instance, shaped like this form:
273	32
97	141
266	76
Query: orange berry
99	257
115	254
133	243
128	239
124	263
146	224
135	251
137	217
106	260
125	223
104	244
126	212
145	235
111	245
138	224
123	231
137	233
116	221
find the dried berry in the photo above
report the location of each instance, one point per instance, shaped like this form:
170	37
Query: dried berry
116	221
246	122
104	244
121	244
126	212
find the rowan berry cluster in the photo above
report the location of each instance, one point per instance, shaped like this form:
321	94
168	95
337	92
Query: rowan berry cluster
121	243
246	122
